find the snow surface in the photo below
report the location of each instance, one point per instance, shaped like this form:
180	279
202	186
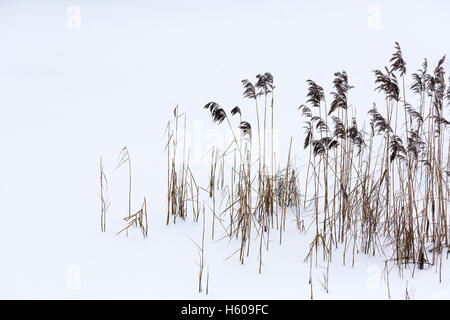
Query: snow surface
69	96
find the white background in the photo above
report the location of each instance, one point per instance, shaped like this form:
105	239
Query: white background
70	95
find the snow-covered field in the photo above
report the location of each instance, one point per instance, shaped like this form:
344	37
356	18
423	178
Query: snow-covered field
82	79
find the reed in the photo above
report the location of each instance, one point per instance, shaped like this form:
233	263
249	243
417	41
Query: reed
138	220
402	170
104	200
179	173
376	189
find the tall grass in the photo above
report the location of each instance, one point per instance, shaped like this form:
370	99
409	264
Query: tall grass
382	188
376	189
104	200
389	186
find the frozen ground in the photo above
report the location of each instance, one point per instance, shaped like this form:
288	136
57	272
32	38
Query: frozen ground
70	95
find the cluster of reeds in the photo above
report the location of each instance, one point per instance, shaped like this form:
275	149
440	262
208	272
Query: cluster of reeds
251	195
336	148
180	180
239	194
259	192
386	189
381	189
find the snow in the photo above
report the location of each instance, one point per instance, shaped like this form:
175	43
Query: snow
70	96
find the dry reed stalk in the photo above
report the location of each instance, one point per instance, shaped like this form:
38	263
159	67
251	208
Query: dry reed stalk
139	219
178	178
202	257
104	202
207	281
124	157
